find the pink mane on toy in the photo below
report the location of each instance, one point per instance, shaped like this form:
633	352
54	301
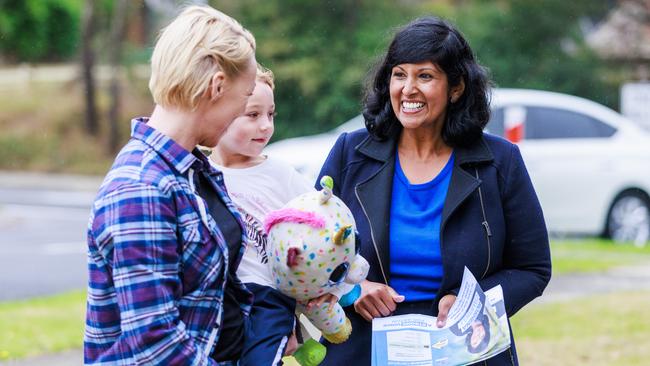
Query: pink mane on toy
292	215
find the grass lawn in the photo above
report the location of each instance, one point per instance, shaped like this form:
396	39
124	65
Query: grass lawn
44	325
607	329
594	255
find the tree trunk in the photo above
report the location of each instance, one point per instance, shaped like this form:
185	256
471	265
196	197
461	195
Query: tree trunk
87	66
118	27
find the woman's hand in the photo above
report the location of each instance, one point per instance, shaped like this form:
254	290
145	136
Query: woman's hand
320	300
443	309
377	300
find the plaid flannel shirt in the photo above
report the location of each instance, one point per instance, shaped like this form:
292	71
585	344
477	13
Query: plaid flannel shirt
156	259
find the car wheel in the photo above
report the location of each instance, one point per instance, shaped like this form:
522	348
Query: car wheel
629	219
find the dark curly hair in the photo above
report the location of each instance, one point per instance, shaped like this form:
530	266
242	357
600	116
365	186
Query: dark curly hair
431	39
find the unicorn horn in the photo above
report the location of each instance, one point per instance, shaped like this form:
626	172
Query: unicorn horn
342	234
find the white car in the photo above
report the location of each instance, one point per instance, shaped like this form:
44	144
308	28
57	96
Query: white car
590	166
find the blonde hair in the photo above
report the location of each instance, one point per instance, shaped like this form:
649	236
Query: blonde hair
191	49
265	75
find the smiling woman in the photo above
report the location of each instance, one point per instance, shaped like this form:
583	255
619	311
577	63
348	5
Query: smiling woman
431	194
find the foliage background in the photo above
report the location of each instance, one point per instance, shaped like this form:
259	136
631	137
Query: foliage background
320	51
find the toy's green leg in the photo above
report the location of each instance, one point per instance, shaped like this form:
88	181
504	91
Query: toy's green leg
311	353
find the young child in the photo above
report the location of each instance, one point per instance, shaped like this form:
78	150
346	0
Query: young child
258	184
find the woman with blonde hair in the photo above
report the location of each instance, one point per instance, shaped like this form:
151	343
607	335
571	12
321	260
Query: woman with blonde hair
164	239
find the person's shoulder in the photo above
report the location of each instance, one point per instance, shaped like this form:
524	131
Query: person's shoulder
500	147
348	143
357	136
286	177
280	169
497	142
278	166
137	165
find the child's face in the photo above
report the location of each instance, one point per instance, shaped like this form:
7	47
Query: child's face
248	134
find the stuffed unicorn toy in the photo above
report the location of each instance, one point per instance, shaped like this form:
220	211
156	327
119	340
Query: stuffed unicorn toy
313	250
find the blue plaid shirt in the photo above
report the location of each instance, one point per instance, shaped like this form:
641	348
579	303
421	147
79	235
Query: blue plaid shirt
156	259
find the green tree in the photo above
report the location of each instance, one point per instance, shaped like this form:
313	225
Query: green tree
39	30
538	45
320	52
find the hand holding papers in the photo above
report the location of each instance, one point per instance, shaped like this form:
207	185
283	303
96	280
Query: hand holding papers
477	329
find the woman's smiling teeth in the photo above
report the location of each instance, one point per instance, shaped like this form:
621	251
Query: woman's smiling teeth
412	106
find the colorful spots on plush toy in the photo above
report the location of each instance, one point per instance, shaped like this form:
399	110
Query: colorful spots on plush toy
312	256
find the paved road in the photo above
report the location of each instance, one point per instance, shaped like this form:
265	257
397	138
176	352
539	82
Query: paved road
42	233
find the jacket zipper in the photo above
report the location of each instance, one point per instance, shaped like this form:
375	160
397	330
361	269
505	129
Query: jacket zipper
372	236
488	232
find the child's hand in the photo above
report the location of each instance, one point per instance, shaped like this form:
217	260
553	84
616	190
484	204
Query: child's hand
377	300
292	345
320	300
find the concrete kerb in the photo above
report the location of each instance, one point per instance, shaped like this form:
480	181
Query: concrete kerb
41	189
568	287
49	181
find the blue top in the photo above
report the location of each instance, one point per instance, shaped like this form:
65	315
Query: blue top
416	209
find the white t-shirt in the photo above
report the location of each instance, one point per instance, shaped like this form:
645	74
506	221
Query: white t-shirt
257	191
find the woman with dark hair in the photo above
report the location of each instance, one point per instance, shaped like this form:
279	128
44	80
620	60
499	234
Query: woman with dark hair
431	193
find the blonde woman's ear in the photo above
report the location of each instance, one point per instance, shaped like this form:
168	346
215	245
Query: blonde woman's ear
217	85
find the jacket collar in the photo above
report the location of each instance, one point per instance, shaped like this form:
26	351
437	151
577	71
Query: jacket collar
383	150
